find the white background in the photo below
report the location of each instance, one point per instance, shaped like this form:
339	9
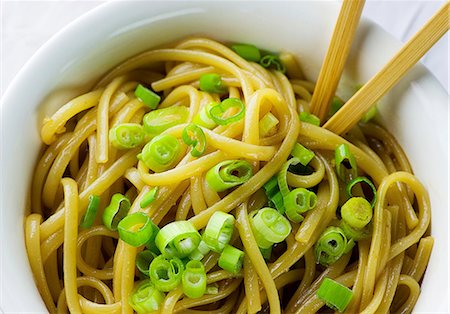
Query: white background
26	25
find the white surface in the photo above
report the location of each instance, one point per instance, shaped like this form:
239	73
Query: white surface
27	25
82	54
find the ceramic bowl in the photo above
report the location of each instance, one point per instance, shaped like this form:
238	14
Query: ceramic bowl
416	111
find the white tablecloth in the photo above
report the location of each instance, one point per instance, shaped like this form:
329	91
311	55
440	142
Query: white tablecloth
25	26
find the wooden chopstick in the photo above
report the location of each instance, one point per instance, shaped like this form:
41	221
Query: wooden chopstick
391	73
337	53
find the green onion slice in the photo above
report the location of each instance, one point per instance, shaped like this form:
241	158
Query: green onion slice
309	118
116	211
166	273
274	195
200	251
282	175
268	124
357	212
369	183
145	298
136	229
88	218
161	152
143	260
157	121
203	118
331	245
334	295
272	61
193	136
194	279
148	97
212	83
178	238
269	227
228	174
302	153
346	167
218	231
231	259
149	197
218	111
299	201
126	135
248	52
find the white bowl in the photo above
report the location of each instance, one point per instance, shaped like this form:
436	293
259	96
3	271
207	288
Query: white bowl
416	111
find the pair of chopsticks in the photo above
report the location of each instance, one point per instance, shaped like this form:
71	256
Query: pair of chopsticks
380	83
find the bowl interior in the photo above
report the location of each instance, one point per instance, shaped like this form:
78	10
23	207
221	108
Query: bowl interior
415	111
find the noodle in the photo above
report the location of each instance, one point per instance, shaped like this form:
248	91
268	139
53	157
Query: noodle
92	269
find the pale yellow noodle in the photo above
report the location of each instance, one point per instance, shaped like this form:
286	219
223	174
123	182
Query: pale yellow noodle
56	123
198	202
70	244
56	221
86	268
34	255
249	242
308	181
251	286
132	174
421	259
185	77
414	291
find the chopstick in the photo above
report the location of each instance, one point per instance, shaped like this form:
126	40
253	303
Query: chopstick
391	73
337	53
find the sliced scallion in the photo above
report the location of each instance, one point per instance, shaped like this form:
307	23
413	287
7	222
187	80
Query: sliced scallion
165	273
331	245
299	201
145	298
367	182
149	197
203	118
218	231
269	227
89	217
231	259
357	212
178	238
212	83
303	154
143	260
268	124
334	295
148	97
194	279
346	167
247	51
126	135
157	121
309	118
161	152
194	136
136	229
219	112
272	61
228	174
116	211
